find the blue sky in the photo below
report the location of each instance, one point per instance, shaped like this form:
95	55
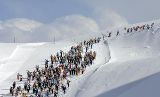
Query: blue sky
41	10
48	10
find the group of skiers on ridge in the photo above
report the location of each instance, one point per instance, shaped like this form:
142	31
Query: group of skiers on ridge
131	29
53	77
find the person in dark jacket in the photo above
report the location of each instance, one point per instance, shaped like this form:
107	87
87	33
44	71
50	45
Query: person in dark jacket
68	81
63	88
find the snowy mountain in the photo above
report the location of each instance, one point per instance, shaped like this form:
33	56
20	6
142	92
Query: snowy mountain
126	65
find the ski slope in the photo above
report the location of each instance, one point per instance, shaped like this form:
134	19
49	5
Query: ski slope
25	57
125	66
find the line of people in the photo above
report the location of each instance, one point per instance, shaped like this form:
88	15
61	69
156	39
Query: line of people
53	78
139	28
131	29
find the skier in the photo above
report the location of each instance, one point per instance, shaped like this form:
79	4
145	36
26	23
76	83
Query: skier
36	91
61	53
58	56
16	93
18	76
82	68
46	62
152	25
103	37
109	34
29	75
86	48
47	93
91	45
56	87
128	30
94	55
25	86
14	84
63	88
28	88
11	91
37	67
55	93
51	59
68	81
117	33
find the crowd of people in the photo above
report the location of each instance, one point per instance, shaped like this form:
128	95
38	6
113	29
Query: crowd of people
53	77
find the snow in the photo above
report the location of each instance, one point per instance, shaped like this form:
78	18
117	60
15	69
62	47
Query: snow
134	56
125	66
6	50
25	57
18	57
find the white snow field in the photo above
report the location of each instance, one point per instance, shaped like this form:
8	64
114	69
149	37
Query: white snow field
126	66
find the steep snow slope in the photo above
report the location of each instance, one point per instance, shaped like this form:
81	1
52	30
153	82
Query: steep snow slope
134	56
